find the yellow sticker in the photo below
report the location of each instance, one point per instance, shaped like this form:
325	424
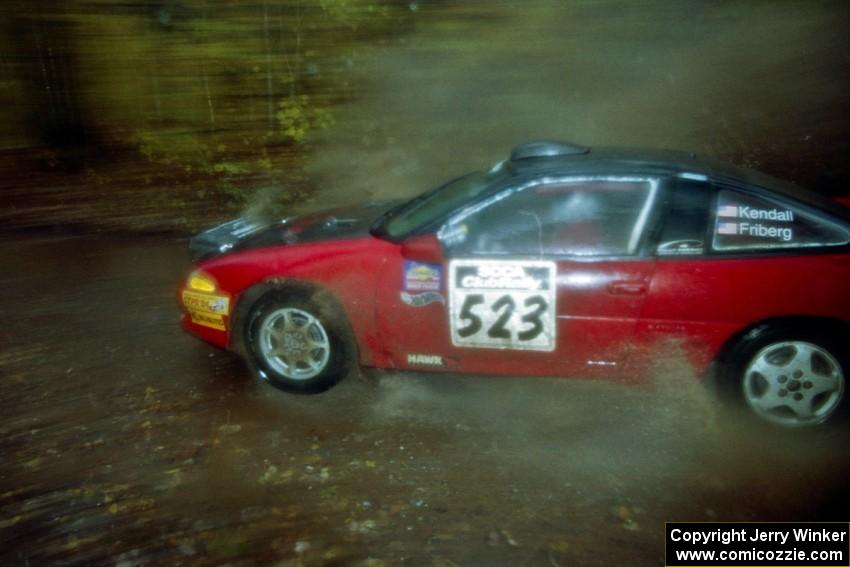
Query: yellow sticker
197	302
206	309
207	320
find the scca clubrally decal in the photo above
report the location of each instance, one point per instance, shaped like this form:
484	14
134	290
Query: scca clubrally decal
502	304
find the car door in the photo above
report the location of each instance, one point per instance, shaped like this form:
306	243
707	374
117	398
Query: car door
545	278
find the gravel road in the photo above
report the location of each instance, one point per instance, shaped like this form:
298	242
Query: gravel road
124	441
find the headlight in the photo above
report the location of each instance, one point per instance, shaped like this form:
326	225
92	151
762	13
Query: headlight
199	281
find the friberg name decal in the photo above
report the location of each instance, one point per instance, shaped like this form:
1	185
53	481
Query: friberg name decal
785	234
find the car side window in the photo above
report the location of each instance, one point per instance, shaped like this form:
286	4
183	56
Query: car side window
748	222
573	217
685	223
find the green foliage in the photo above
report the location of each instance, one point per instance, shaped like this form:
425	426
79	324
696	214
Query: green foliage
355	13
200	66
298	115
229	168
203	99
237	196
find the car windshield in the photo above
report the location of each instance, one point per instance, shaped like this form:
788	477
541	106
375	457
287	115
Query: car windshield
432	205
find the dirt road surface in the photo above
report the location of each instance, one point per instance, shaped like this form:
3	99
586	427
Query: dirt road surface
125	442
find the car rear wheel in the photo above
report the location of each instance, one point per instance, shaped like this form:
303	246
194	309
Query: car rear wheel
298	344
792	379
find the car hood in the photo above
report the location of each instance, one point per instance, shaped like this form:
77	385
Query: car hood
244	233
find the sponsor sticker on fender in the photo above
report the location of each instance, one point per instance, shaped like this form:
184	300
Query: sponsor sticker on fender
434	360
422	277
207	310
506	304
206	320
422	299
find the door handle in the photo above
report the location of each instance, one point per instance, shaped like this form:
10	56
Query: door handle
627	288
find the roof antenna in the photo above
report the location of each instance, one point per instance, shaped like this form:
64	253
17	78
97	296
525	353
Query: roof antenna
546	149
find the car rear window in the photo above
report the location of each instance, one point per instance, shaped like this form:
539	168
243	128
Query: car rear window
685	224
748	222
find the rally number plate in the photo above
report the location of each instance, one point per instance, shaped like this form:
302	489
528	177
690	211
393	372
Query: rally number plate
502	304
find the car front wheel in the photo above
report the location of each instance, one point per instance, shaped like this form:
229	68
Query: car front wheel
298	345
792	380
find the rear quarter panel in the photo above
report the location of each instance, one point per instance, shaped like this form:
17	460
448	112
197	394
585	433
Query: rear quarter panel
700	304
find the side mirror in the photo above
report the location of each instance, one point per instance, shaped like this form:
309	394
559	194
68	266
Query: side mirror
423	248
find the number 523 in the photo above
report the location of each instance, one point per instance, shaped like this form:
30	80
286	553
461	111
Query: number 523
475	315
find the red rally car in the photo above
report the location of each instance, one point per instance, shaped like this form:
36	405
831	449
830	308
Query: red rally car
559	261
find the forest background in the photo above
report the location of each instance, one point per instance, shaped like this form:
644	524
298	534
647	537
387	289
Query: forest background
170	115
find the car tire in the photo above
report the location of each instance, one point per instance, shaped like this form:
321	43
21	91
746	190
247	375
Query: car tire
299	343
793	378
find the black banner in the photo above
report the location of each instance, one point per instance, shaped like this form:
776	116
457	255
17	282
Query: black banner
743	544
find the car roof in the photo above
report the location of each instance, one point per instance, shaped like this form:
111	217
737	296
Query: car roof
539	158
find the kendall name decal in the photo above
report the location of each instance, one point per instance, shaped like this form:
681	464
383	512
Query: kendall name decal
746	212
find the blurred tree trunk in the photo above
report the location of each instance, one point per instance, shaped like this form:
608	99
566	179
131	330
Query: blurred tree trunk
269	81
42	37
207	92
